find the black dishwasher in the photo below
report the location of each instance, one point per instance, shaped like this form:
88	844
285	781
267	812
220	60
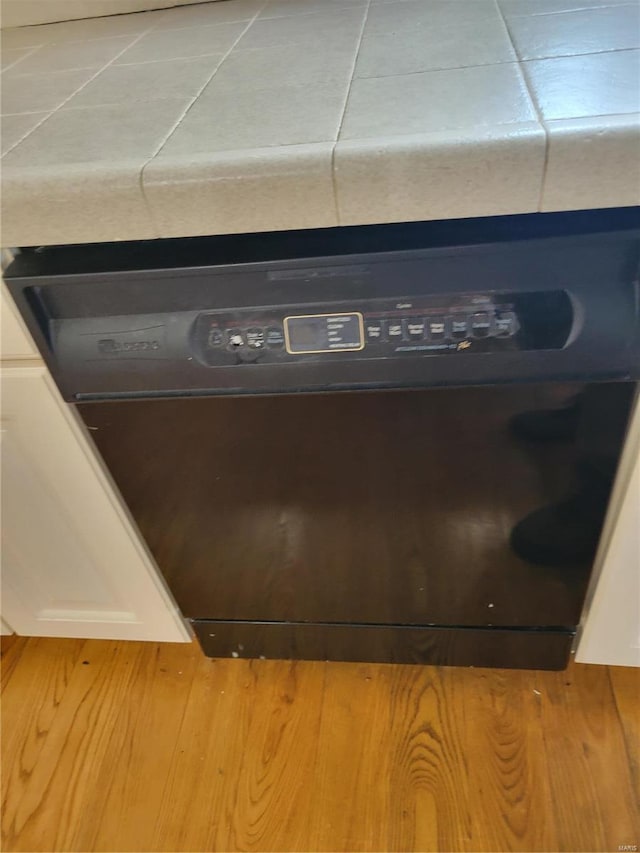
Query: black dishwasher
384	443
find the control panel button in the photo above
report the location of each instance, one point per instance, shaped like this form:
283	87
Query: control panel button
255	338
458	327
274	337
235	339
374	330
215	337
506	324
414	329
395	330
436	328
481	324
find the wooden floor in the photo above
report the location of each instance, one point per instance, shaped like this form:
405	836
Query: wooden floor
140	747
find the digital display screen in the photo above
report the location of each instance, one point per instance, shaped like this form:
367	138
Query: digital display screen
307	333
315	333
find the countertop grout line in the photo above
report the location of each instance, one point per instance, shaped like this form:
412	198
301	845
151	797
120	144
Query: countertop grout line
30	51
572	55
174	160
223	56
157	31
547	121
183	116
334	182
53	72
534	104
569	11
29	132
90	41
517	61
450	131
26	113
120	64
165	59
74	93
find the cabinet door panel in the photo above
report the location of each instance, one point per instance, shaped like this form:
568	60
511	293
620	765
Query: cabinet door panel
73	564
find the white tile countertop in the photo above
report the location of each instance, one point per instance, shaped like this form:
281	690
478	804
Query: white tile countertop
258	115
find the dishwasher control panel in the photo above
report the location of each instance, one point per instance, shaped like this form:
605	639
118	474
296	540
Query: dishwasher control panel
531	298
384	328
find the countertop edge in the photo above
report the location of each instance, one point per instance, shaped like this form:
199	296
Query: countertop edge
483	171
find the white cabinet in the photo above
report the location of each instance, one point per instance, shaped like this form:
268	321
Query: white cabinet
73	564
15	341
610	632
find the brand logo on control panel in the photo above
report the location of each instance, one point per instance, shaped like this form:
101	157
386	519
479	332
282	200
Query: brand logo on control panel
109	346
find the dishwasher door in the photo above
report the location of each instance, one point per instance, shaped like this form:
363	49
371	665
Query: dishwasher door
372	525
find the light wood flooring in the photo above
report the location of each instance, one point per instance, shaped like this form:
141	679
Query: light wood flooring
117	746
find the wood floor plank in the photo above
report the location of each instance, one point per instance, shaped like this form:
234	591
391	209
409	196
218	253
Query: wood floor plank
142	752
34	687
390	768
146	747
589	772
64	734
211	744
275	786
511	796
428	778
352	770
625	682
11	648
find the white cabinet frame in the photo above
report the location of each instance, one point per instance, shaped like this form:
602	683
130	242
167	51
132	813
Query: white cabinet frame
73	563
610	628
